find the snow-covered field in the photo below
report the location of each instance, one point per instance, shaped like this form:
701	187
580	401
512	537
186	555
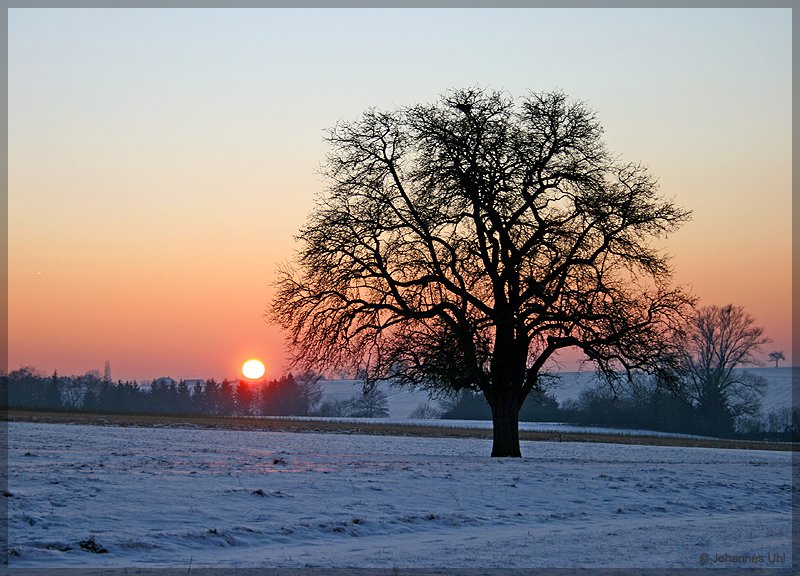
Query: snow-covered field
554	427
197	497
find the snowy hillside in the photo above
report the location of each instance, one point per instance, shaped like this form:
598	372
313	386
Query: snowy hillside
569	386
779	389
90	497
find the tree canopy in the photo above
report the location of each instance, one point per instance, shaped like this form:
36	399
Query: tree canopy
722	341
461	244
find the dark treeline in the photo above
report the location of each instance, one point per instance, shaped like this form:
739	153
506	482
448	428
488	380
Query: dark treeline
637	405
287	396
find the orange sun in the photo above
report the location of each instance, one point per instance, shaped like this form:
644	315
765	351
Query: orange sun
253	369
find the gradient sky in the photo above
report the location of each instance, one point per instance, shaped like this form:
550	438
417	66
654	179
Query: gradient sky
161	161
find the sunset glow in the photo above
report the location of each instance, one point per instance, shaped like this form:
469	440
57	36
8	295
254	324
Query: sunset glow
161	162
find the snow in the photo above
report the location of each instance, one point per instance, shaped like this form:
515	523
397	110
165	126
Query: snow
556	427
183	497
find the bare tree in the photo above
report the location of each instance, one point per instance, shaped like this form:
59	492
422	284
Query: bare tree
776	357
425	411
310	390
373	403
75	389
459	245
722	341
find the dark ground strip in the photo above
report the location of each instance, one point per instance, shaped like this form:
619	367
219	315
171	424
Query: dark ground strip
278	425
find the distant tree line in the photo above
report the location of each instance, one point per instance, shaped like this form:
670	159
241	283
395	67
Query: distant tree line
371	404
467	405
639	404
27	388
706	391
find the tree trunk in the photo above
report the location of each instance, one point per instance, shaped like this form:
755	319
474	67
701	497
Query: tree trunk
505	426
507	375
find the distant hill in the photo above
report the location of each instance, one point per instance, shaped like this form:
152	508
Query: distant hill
402	402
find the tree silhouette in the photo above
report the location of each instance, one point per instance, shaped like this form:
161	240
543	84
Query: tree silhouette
460	245
212	400
227	398
245	397
197	402
52	394
371	404
184	398
310	391
776	357
721	342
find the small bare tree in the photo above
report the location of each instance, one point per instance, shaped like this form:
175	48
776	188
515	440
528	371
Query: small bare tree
776	357
460	245
310	390
722	341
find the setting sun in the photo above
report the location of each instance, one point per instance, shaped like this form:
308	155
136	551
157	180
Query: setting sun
253	369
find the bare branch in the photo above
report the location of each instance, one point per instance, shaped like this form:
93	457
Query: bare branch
460	244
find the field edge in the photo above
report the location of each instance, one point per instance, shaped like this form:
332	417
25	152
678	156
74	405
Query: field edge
279	425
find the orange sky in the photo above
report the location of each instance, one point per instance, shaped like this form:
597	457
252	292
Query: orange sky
160	162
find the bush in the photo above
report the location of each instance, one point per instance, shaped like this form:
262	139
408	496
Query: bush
425	412
372	404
